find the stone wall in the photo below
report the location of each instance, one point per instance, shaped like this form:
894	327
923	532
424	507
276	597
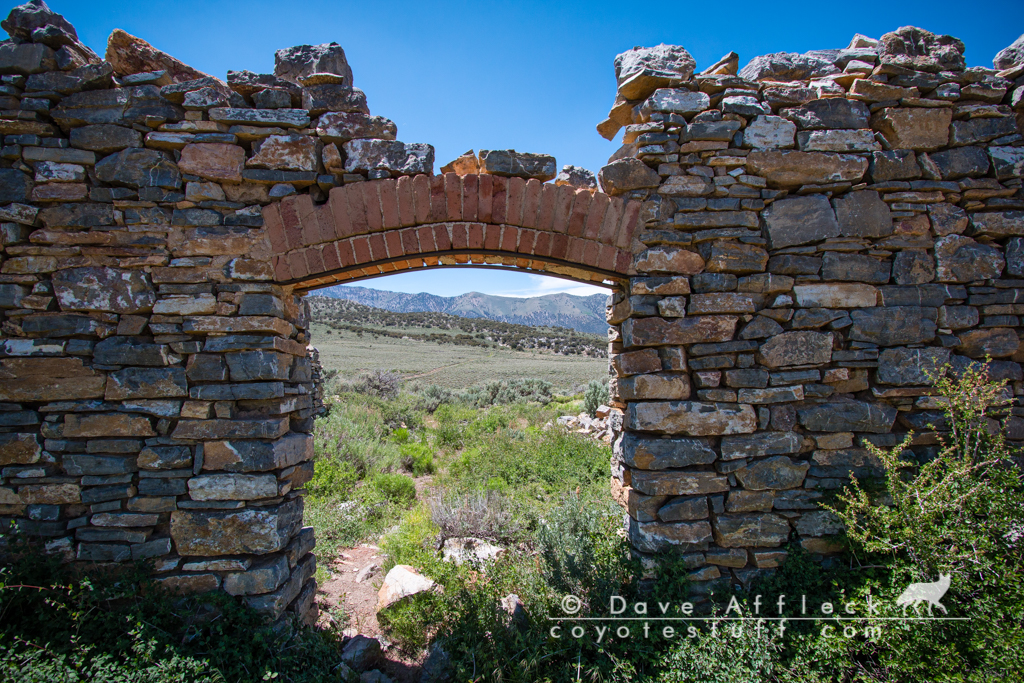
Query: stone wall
792	247
819	232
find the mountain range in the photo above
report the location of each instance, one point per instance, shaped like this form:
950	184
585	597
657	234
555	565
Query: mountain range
581	313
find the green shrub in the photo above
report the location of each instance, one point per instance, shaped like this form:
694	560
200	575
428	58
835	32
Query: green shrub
596	395
395	488
433	396
418	458
332	478
120	627
400	435
958	515
508	391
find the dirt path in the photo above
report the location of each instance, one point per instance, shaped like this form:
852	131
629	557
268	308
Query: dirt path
344	599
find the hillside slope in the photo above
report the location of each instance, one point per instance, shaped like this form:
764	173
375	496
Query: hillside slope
581	313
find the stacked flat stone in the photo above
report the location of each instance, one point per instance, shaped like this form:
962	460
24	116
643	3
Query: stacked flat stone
157	395
819	233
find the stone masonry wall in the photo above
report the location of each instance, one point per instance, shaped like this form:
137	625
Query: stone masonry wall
819	232
793	245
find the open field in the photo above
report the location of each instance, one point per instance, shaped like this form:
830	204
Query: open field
450	366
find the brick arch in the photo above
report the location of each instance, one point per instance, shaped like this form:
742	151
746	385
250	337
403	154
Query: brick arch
385	226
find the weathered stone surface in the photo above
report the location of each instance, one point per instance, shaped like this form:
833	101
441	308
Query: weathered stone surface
107	424
854	267
264	578
295	63
818	523
26	58
15	186
165	458
919	129
624	175
401	582
651	386
332	97
105	138
733	257
692	418
796	348
676	101
770	132
257	456
826	114
510	163
893	325
19	449
642	70
1008	162
752	530
398	158
787	66
863	214
654	536
132	383
659	332
341	127
779	472
1009	56
837	141
847	416
684	509
961	259
285	118
247	84
835	295
677	483
760	328
800	220
913	48
256	531
948	219
576	176
213	161
103	289
759	445
130	55
997	342
897	164
286	153
911	367
961	162
658	454
998	223
790	168
913	268
669	260
135	167
232	486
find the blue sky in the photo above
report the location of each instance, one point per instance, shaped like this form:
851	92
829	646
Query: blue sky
533	76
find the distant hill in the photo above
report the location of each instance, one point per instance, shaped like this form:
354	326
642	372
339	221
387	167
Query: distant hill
581	313
443	328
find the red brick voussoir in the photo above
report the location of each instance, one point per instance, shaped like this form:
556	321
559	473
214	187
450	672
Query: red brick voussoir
391	225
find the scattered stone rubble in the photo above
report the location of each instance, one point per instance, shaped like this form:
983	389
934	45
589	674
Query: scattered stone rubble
599	427
819	231
796	243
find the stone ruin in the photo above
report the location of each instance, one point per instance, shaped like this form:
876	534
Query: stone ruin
793	247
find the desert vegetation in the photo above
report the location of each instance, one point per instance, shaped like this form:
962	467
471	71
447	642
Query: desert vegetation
408	469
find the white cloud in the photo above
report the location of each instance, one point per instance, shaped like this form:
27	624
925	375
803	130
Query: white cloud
542	285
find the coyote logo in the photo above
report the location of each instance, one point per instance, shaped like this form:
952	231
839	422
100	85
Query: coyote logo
931	593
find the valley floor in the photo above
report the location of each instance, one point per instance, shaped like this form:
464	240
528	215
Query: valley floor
448	365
